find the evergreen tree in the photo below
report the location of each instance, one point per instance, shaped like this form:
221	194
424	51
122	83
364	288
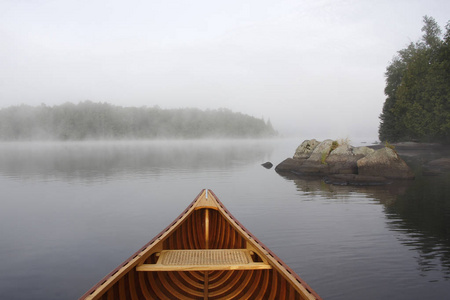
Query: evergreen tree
417	90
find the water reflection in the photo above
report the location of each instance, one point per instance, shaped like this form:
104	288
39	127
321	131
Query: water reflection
316	186
97	160
417	211
422	215
392	236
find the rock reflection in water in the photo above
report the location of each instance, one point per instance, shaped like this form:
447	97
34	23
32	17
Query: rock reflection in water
315	185
417	211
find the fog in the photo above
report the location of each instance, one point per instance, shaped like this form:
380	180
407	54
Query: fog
315	68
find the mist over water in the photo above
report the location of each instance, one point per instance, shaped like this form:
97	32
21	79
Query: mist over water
71	212
84	160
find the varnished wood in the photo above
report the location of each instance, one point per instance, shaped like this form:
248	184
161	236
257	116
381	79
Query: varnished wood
207	228
204	227
206	287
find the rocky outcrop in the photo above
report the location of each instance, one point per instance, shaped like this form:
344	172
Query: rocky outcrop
358	165
384	162
327	157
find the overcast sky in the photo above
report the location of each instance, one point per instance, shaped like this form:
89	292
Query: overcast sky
315	67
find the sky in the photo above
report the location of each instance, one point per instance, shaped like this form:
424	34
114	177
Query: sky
315	68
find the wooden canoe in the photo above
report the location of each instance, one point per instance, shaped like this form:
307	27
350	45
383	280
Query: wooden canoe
204	254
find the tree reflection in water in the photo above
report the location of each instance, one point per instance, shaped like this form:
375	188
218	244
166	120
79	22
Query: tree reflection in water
422	214
417	211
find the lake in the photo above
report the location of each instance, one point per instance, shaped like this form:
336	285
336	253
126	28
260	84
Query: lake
71	212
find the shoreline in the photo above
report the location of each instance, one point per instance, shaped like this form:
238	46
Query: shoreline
414	149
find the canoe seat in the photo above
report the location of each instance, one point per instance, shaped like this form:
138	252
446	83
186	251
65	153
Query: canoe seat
204	260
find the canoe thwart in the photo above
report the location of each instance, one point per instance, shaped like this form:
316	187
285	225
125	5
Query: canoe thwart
204	260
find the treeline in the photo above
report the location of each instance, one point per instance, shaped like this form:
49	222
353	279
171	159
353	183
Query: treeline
417	107
88	120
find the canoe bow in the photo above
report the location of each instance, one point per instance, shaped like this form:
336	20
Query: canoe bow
205	253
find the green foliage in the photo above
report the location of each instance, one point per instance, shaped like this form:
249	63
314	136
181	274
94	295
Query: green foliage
387	145
325	154
324	158
417	105
88	120
334	145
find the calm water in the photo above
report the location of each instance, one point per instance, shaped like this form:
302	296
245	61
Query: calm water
71	212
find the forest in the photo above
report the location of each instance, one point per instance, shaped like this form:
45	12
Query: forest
88	120
417	105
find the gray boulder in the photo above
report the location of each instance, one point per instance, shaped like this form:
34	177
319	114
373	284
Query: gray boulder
312	168
315	164
342	150
342	160
305	149
267	165
289	165
320	151
364	151
384	162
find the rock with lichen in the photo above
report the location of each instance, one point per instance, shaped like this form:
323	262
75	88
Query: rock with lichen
385	162
305	149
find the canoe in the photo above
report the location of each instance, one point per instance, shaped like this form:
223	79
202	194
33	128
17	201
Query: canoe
204	254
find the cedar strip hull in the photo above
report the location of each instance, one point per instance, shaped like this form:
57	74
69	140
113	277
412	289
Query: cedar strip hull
188	232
